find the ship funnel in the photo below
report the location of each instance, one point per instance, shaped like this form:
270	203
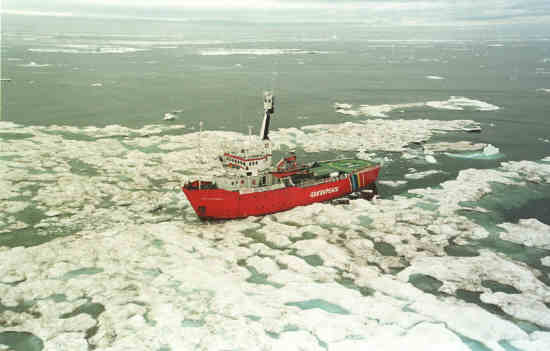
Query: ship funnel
269	108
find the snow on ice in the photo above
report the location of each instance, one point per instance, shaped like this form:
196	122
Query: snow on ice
261	52
453	103
124	263
529	232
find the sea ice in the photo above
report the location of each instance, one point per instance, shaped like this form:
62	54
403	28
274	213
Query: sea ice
277	233
529	232
435	77
67	341
88	49
34	64
377	134
261	52
462	318
469	320
468	273
263	265
8	125
330	254
430	159
490	152
169	116
296	264
342	106
420	175
454	146
525	307
450	270
458	103
297	341
381	111
392	183
181	284
429	336
470	185
538	172
538	341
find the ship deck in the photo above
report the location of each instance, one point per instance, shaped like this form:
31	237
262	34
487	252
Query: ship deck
345	166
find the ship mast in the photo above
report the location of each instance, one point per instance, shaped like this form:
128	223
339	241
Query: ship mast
269	103
200	137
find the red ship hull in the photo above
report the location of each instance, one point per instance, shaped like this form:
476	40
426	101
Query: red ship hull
225	204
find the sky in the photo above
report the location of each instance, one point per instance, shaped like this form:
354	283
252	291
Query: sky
388	12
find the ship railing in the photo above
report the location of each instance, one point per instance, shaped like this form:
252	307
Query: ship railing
200	183
261	189
308	183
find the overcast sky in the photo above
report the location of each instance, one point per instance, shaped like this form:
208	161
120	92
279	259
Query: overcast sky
369	11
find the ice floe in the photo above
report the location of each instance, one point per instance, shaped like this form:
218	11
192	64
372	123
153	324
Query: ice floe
423	336
532	171
169	116
342	106
430	159
88	49
453	103
392	183
469	273
259	52
34	64
420	175
538	341
376	110
454	146
529	232
544	90
371	134
459	103
490	152
435	77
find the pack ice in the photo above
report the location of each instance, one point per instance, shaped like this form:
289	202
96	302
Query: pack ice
103	252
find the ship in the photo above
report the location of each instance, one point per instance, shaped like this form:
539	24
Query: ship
250	185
